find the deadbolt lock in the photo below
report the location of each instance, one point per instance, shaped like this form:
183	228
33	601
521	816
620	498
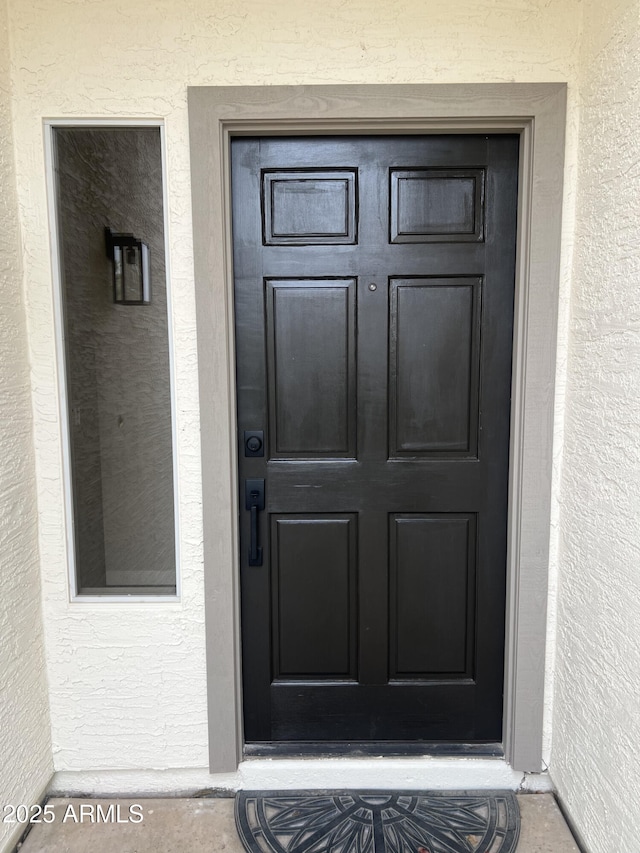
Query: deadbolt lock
254	442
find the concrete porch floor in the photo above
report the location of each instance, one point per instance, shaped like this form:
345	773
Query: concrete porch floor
207	825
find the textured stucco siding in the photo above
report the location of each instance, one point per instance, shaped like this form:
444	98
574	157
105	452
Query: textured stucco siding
127	681
597	704
25	740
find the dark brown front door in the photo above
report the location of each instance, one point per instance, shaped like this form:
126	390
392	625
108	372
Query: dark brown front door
374	282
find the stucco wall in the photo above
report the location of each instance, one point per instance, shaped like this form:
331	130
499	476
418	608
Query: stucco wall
128	680
596	719
25	741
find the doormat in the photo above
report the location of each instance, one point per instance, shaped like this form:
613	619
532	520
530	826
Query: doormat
378	821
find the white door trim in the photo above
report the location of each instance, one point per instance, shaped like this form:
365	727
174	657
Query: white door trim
537	113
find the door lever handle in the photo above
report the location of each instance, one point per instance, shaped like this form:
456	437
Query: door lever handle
254	502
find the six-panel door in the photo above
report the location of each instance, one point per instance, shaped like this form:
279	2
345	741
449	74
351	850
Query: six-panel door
374	311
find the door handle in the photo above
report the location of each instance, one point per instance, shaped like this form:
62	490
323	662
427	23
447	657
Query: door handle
254	502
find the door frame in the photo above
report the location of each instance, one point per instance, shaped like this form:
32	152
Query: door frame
535	111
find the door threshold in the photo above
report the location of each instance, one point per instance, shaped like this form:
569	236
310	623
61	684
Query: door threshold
368	749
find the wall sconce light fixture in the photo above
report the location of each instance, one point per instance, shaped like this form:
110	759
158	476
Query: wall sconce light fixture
131	270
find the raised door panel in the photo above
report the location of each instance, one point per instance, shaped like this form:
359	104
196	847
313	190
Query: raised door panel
311	368
437	205
309	207
432	583
434	358
314	620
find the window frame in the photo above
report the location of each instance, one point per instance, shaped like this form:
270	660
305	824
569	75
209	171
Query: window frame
142	593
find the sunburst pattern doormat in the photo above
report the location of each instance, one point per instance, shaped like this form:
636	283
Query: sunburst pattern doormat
377	821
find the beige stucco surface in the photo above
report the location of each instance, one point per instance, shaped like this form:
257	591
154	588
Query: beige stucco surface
25	744
128	681
596	717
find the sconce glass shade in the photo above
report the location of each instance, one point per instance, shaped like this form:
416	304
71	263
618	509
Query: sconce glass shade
131	268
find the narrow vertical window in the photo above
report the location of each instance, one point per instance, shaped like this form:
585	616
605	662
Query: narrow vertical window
117	373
